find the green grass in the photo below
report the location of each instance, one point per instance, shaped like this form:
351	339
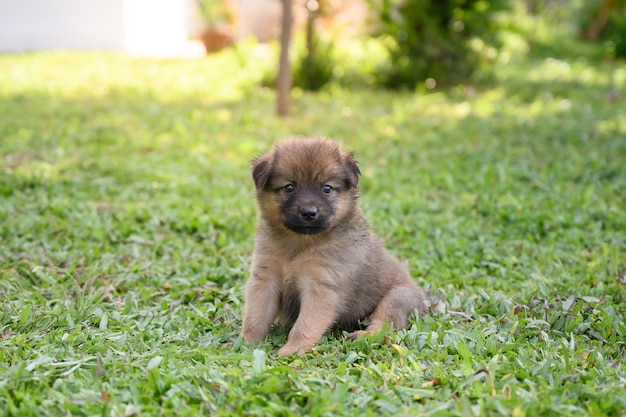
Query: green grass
127	217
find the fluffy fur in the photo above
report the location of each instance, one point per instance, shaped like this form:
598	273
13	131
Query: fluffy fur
315	262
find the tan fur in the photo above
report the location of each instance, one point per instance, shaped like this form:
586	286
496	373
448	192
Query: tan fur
313	278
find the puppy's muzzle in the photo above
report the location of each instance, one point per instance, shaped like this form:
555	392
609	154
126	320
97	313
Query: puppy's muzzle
308	213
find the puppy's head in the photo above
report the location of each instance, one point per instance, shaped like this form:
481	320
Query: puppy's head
306	185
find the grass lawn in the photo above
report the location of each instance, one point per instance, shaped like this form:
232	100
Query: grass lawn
127	217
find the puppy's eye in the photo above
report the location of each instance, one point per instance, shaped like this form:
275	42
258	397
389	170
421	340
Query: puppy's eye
327	189
289	188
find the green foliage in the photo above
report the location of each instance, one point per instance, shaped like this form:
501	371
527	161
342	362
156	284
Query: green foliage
617	33
612	31
127	217
312	71
430	39
349	62
614	35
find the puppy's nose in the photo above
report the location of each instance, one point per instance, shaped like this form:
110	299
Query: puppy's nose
308	213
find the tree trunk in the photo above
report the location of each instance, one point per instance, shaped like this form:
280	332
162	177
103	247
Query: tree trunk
310	48
283	81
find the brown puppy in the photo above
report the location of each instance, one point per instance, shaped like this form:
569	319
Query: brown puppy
315	262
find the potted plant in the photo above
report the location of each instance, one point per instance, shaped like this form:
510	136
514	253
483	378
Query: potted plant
218	18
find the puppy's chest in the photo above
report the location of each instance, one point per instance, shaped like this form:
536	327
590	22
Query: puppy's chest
291	261
293	272
297	267
294	276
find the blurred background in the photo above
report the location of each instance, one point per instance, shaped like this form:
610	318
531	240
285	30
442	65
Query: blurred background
409	43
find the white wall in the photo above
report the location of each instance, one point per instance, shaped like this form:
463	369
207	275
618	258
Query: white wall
125	25
72	24
140	27
153	26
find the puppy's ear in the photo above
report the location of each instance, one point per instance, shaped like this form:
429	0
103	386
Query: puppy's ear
261	169
352	169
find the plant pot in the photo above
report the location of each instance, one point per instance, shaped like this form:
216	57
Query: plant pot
215	39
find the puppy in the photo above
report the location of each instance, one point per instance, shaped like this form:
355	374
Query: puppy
315	263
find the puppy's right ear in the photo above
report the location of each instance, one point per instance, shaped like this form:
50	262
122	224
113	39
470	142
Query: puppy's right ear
352	169
261	169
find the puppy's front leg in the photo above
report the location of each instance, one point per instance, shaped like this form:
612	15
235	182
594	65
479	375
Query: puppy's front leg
318	310
260	306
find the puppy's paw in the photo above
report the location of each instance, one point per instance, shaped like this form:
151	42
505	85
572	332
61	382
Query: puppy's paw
291	349
357	334
372	336
251	336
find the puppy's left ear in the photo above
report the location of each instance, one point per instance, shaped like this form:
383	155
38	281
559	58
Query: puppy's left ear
352	169
261	169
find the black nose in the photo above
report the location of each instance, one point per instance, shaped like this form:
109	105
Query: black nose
308	213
